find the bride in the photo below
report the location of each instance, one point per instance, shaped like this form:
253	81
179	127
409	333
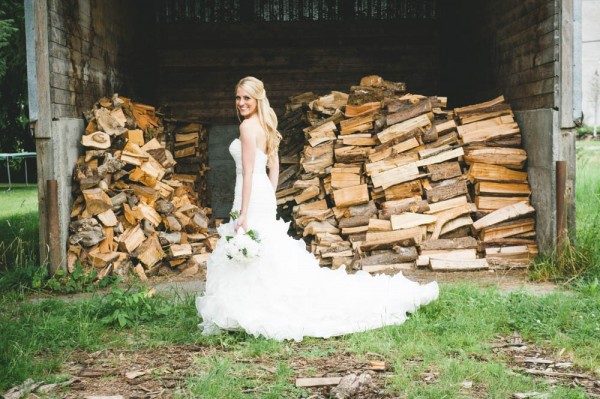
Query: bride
284	293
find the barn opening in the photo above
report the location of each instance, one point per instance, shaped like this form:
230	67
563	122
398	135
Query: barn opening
188	54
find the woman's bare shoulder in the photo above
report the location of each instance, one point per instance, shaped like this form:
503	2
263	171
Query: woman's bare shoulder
250	128
250	124
247	130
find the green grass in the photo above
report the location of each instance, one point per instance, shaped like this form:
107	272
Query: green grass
580	259
36	338
451	336
19	215
588	202
18	236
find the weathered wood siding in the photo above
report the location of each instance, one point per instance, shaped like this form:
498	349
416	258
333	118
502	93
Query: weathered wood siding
199	64
508	47
97	48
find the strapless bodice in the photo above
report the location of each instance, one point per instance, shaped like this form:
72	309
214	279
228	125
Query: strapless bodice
260	159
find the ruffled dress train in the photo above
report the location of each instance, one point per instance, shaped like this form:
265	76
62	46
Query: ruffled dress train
284	293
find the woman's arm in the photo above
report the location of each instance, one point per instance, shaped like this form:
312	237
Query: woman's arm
248	153
274	170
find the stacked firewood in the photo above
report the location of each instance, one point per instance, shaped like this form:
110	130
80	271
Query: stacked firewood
130	211
190	149
391	180
492	141
291	126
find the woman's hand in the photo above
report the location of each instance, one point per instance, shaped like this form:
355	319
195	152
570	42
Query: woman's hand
242	222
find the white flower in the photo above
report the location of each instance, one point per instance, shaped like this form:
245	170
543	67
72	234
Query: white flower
242	247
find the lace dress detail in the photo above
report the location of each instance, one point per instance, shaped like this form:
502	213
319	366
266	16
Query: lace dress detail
285	294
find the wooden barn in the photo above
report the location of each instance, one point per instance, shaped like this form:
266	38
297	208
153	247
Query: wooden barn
189	54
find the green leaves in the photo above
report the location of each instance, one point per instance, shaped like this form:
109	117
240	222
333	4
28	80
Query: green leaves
14	134
253	234
124	308
78	281
234	215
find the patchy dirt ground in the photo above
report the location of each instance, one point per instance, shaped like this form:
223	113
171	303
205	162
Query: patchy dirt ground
555	367
344	364
162	372
148	373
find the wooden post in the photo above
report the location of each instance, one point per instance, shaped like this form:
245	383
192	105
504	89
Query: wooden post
38	82
561	222
52	222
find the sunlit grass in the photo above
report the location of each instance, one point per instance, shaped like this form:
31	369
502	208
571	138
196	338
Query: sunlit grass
19	260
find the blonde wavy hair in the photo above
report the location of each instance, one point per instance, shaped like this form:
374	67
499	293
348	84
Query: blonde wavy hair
266	116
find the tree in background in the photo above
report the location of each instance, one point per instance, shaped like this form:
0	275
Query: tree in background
14	132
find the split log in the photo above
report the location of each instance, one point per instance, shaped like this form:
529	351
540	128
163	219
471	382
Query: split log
382	240
507	229
404	130
351	195
447	191
489	133
389	268
388	257
396	207
108	218
408	112
96	201
447	204
408	220
149	252
179	250
447	215
484	172
493	188
131	239
494	203
513	158
444	244
86	231
455	224
457	264
449	254
379	225
502	214
398	175
444	171
444	156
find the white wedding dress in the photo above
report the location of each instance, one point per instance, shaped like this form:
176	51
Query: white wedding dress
285	294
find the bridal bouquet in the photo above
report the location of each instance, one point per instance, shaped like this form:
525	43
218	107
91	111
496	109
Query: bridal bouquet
243	246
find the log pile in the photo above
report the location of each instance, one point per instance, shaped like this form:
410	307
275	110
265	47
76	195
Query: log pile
130	212
190	150
496	169
292	143
390	180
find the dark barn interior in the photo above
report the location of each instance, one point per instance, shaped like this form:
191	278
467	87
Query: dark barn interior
189	54
455	49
